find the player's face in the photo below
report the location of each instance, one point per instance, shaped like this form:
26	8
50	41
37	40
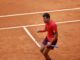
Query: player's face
46	20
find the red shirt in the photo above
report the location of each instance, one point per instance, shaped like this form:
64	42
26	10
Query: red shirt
51	27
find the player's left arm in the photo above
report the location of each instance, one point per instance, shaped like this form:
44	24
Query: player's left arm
56	36
55	33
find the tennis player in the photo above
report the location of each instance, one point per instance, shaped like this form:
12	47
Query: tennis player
52	35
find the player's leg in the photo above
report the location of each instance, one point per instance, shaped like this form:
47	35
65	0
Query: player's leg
47	49
43	45
45	53
42	48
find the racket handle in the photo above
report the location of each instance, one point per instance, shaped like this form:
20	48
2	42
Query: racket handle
54	46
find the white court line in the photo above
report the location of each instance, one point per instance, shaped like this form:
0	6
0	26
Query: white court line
39	12
27	31
38	25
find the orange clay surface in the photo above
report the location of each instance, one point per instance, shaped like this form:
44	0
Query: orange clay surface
16	44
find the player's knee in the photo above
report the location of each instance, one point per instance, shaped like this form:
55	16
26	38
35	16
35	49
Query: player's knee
45	54
41	50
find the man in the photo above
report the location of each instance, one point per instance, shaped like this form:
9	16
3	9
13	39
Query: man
52	35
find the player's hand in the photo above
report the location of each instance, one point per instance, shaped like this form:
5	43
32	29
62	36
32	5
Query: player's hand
48	44
38	31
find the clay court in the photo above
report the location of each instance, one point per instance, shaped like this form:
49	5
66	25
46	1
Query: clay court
19	20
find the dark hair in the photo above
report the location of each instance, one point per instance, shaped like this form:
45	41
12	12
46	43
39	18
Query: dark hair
47	15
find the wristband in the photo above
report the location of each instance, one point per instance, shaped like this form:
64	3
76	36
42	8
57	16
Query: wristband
42	31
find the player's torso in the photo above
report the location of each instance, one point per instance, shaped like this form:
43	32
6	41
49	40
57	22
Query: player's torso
49	28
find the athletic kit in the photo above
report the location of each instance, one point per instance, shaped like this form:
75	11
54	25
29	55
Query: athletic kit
51	27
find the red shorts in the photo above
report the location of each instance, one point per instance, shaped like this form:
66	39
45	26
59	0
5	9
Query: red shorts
46	41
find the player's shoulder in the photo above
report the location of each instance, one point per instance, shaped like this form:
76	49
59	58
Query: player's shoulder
53	23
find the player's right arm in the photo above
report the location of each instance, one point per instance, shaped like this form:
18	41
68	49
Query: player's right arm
41	30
